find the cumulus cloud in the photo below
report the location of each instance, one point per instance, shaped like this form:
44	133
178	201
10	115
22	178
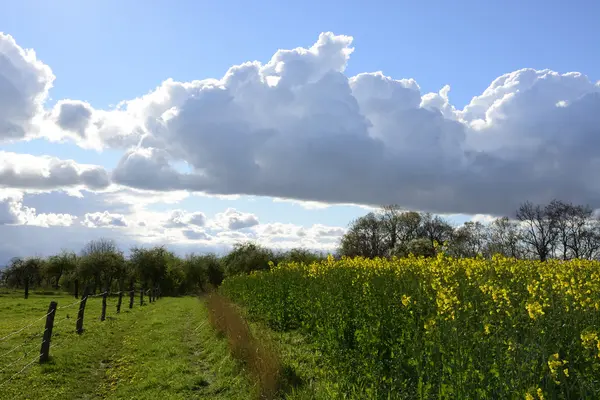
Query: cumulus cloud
286	236
297	127
14	212
24	171
180	218
196	235
104	220
74	116
24	85
233	219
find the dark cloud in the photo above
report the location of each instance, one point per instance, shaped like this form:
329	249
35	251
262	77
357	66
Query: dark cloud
74	116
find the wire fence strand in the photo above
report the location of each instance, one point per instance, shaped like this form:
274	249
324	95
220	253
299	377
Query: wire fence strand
18	359
70	305
22	369
25	327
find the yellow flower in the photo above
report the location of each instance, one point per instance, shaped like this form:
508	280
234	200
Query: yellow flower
534	309
486	328
554	363
588	339
405	300
540	394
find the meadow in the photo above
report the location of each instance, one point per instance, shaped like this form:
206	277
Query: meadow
165	349
437	328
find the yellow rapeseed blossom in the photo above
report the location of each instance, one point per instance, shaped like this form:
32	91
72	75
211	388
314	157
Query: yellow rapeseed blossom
445	305
486	329
540	394
555	364
534	309
405	300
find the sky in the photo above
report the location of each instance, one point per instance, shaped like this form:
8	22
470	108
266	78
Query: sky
199	124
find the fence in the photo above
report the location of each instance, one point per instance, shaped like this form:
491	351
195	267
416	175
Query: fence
46	335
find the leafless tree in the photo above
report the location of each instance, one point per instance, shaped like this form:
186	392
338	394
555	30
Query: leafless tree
539	228
504	238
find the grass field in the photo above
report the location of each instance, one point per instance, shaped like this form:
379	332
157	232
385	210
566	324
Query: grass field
163	350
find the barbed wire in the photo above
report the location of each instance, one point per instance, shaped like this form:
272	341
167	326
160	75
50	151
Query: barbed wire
25	327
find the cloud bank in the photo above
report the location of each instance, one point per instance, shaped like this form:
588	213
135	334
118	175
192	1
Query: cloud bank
296	127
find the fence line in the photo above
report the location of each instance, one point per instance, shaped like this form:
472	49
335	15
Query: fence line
48	333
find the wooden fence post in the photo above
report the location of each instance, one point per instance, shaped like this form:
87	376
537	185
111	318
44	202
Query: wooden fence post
76	288
84	297
131	294
103	315
45	350
141	296
119	301
26	287
150	295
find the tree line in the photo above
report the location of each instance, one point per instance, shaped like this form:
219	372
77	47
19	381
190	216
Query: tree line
556	230
101	265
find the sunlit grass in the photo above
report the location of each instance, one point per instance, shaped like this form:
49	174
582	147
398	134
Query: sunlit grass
163	350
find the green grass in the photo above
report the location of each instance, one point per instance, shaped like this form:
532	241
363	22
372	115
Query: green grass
163	350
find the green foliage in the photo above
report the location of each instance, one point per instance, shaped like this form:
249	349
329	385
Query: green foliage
423	328
61	265
245	258
100	264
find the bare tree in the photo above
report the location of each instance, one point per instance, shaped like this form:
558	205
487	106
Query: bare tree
390	219
436	229
399	227
504	238
539	228
469	240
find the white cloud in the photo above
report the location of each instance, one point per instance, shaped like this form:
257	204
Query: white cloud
24	171
297	127
309	205
320	137
180	218
104	220
483	218
24	85
233	219
14	212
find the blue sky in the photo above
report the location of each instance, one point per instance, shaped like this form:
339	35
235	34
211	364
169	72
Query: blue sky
105	52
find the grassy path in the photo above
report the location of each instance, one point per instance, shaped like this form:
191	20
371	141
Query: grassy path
164	350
